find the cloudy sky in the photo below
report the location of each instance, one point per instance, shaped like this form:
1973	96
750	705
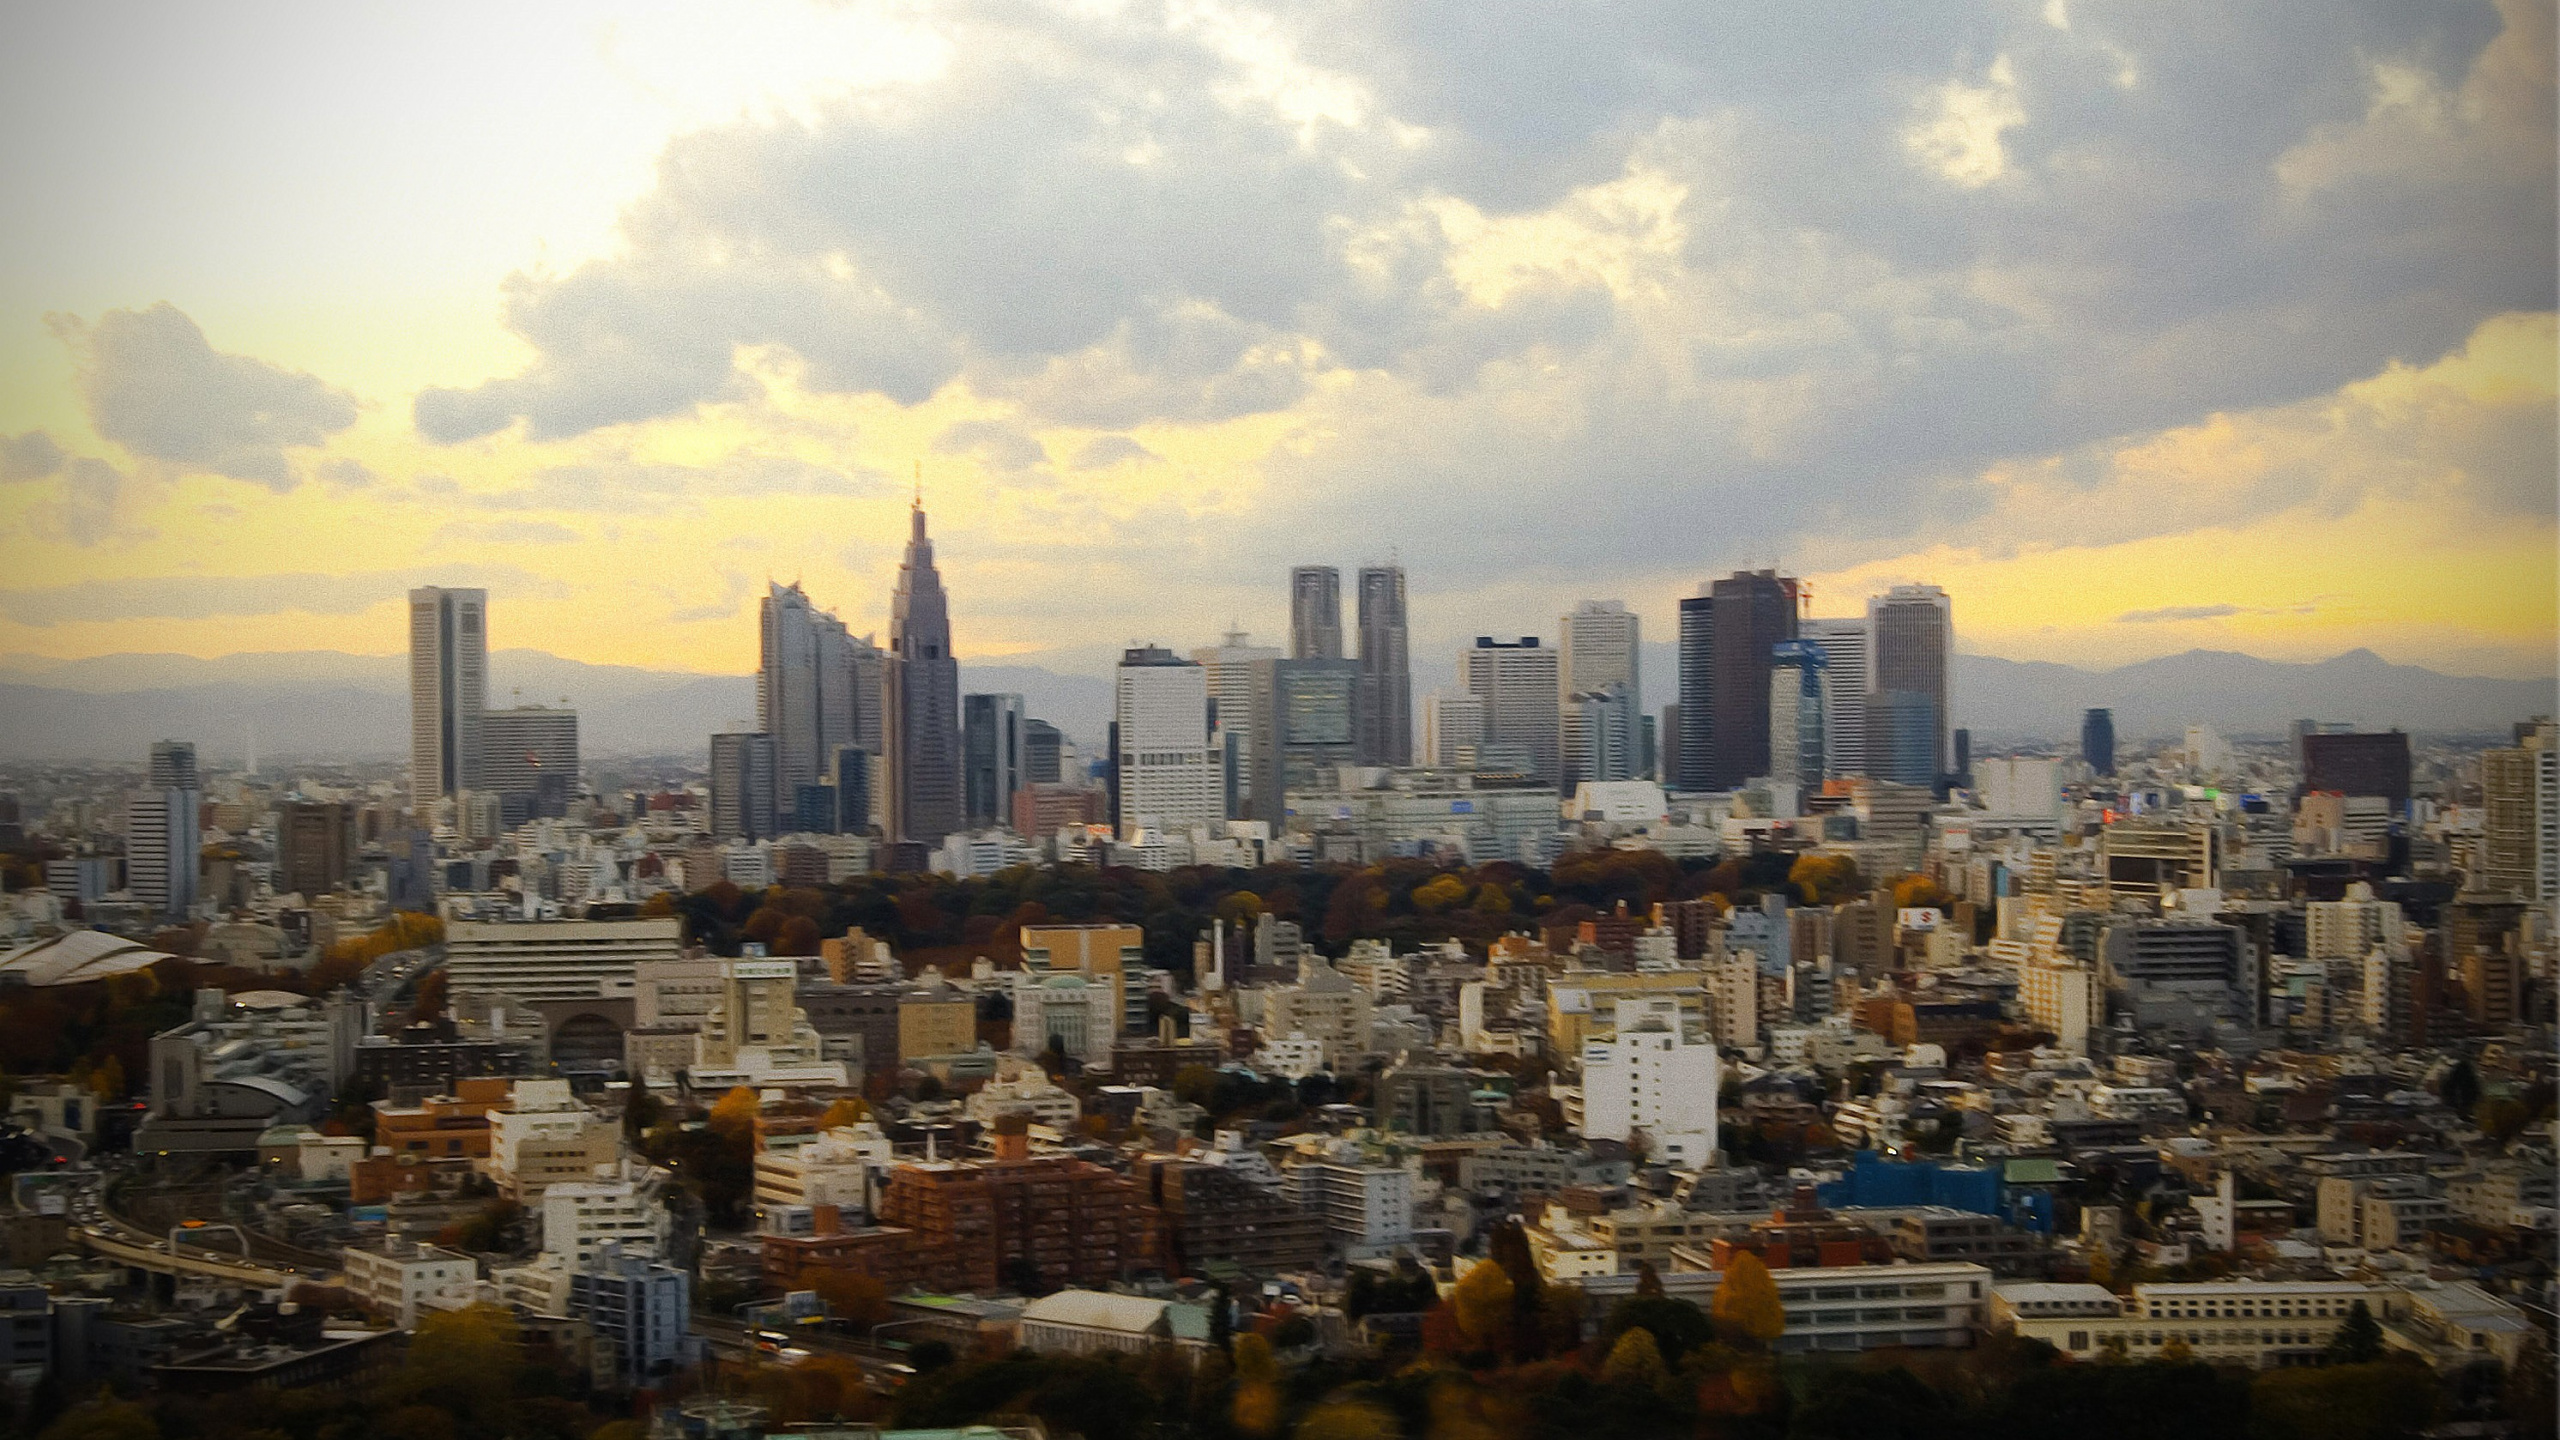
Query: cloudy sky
2137	327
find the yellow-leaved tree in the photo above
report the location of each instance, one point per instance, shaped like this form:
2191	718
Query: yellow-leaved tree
844	1112
1746	1304
735	1114
1636	1360
1481	1301
1257	1407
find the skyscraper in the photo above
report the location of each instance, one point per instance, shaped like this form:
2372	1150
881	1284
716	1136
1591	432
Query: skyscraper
173	765
1604	730
1307	719
744	803
817	686
1315	613
1692	764
1799	712
529	756
1518	684
1229	668
1452	729
1160	724
448	689
1907	691
990	756
315	847
1386	669
1041	743
2098	741
924	686
1847	648
1752	611
163	835
1597	647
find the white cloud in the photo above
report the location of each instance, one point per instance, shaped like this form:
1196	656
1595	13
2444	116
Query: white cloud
1958	132
155	386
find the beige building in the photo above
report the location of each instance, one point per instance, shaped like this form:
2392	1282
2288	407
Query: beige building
1324	1006
1093	951
546	1137
936	1018
1582	1005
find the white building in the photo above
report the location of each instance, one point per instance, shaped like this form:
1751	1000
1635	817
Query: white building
1066	1011
580	1218
1848	650
2020	791
1095	1322
547	1137
2349	929
1170	779
400	1277
1367	1208
1452	729
2062	998
1519	683
1654	1075
1294	1058
556	959
842	1167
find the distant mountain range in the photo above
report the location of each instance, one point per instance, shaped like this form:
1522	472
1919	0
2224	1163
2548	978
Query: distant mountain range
325	703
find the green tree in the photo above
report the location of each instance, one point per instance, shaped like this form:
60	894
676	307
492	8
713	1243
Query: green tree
104	1420
2382	1401
1636	1361
2359	1338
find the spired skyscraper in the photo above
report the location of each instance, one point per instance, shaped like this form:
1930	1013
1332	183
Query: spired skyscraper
1386	669
924	699
448	691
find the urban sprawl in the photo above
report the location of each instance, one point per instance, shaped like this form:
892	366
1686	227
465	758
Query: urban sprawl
1298	1057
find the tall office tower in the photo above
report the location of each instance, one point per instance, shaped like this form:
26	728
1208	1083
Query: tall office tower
1168	780
1666	749
1307	722
163	836
744	802
173	765
1315	613
1452	729
1041	744
315	847
924	710
448	688
1692	764
1648	748
529	756
1907	690
1753	611
1386	669
990	757
851	773
2520	817
1596	648
2348	763
1605	731
1518	683
817	687
1229	667
1799	712
2098	741
1847	649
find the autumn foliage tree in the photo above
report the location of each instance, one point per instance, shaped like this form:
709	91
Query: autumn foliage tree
1747	1309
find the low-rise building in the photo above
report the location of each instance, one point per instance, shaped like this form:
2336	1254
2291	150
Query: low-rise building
399	1279
1093	1322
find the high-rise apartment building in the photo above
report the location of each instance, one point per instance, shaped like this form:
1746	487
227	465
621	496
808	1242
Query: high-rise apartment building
818	687
164	846
1907	692
1847	649
529	756
315	847
1597	647
924	686
745	803
1386	669
1160	712
1229	666
1519	685
2520	816
990	757
1315	613
1307	714
1452	729
2098	741
448	690
1799	712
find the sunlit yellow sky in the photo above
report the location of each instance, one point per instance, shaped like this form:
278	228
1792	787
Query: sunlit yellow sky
2135	329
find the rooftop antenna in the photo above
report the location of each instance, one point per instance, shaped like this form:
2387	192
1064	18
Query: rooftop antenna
919	484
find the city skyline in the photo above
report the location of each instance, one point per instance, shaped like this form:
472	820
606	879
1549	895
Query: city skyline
2294	404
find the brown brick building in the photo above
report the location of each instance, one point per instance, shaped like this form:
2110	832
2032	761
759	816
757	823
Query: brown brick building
1048	1221
1213	1217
